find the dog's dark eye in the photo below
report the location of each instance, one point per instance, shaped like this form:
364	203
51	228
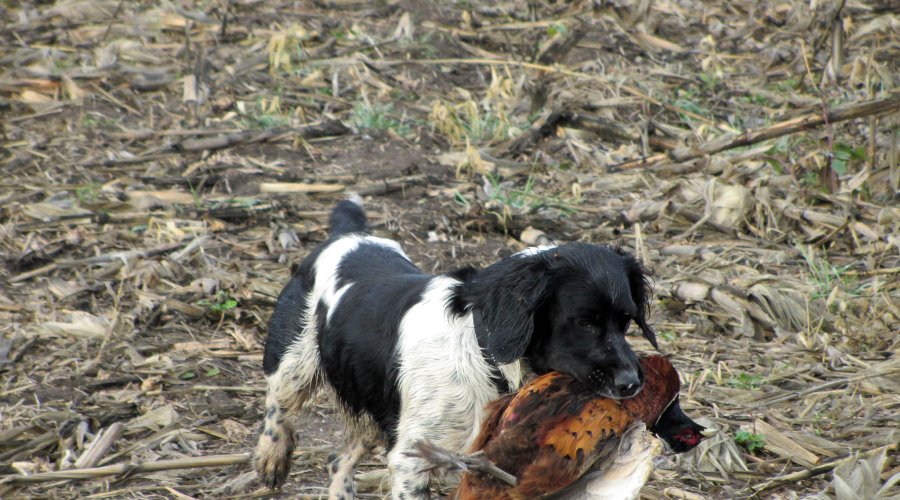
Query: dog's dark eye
583	322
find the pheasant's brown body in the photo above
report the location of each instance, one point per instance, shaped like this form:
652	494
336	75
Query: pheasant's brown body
553	430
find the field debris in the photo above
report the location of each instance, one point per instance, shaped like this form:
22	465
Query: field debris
165	163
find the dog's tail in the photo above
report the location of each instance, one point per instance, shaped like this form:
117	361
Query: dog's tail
348	216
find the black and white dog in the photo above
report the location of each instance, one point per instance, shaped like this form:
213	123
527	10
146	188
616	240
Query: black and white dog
411	356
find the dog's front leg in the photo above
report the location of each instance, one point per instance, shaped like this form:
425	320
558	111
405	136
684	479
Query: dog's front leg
409	474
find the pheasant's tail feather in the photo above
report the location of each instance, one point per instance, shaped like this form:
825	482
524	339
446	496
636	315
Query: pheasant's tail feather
439	457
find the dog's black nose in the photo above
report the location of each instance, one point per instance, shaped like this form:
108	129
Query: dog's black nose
628	382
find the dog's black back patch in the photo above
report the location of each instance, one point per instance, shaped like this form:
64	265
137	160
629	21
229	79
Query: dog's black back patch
358	343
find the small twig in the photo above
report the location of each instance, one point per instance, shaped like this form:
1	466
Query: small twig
111	98
542	127
224	26
787	127
387	186
299	187
111	19
233	388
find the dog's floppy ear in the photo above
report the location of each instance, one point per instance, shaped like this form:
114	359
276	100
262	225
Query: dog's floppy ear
640	294
504	298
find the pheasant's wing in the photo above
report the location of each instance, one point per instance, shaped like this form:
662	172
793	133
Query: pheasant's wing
551	432
572	445
491	423
577	436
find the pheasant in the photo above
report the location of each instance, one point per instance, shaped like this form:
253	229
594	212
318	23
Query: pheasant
556	437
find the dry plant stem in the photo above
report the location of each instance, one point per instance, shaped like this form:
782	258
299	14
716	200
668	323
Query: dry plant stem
326	128
299	187
388	185
128	469
836	383
554	69
817	470
582	121
99	446
160	465
805	122
100	259
31	447
232	388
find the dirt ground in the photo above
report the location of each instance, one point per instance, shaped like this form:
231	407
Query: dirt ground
165	164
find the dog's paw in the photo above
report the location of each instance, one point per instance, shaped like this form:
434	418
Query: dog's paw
274	452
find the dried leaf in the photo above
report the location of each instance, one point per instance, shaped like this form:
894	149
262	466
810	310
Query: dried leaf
154	419
79	325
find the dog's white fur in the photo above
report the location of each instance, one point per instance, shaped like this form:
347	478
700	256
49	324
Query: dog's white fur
444	382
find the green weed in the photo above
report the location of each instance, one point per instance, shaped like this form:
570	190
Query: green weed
88	193
222	303
556	29
826	276
265	114
378	117
745	381
461	200
844	154
710	81
689	99
752	442
265	121
810	179
524	199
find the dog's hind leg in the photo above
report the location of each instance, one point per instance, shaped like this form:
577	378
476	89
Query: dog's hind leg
296	380
275	445
342	469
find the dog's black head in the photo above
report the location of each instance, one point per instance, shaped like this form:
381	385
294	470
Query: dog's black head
565	308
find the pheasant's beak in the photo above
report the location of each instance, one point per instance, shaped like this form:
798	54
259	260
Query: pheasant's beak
708	433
